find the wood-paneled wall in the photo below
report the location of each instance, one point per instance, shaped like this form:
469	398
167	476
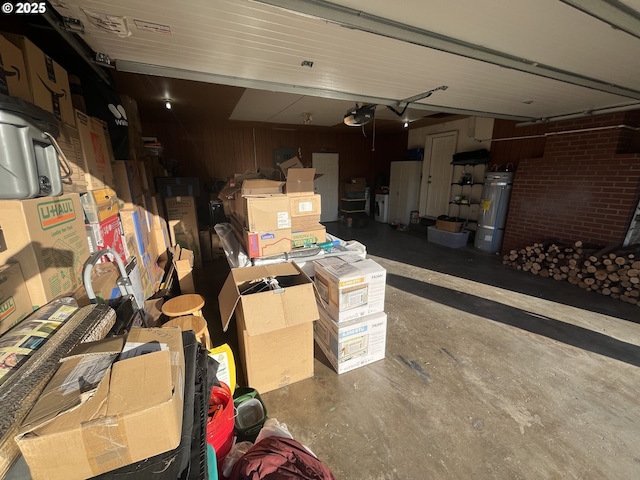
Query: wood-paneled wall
526	142
219	150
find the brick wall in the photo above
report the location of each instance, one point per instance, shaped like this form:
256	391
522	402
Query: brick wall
582	188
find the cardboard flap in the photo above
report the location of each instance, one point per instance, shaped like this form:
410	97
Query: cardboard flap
291	163
228	298
247	274
300	180
107	346
261	187
229	190
76	381
140	382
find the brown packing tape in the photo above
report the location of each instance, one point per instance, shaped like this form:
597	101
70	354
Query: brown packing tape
106	444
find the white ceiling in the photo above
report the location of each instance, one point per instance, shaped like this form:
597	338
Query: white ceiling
520	59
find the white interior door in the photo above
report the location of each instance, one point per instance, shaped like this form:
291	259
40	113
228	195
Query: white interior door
327	164
435	189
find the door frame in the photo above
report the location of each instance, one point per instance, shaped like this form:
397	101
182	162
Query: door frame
426	167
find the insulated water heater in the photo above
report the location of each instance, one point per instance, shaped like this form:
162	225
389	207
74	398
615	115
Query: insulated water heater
494	206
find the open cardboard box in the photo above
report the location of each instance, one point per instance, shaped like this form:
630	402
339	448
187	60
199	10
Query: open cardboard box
275	326
97	414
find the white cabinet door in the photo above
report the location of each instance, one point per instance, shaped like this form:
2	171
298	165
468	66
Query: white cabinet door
327	164
436	173
404	190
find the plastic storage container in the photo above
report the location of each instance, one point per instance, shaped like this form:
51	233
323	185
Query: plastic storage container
448	239
250	417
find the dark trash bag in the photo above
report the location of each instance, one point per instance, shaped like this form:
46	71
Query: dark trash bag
279	458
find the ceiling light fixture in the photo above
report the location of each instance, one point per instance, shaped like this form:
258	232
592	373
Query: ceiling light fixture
406	124
167	104
358	116
307	63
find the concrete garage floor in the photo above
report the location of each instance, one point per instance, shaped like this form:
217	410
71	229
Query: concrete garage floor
489	372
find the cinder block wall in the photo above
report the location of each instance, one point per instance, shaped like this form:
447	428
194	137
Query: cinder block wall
583	187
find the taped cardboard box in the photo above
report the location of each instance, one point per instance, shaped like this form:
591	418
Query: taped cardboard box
232	188
267	213
159	237
300	181
46	236
349	287
353	344
15	303
448	226
261	186
267	244
183	260
127	181
96	151
309	238
48	81
15	82
69	142
134	412
269	321
303	205
309	222
183	225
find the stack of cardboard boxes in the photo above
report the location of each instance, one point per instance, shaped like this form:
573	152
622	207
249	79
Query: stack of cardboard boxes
271	217
106	203
353	325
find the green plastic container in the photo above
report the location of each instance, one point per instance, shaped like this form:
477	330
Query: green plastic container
250	413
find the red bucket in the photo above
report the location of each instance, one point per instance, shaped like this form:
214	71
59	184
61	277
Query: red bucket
221	421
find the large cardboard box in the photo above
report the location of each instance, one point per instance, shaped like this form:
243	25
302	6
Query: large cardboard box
309	238
267	244
448	226
267	213
300	181
159	236
69	142
48	81
136	233
183	225
275	326
15	82
46	236
304	205
96	151
260	186
183	259
349	287
310	222
351	344
110	403
15	303
127	181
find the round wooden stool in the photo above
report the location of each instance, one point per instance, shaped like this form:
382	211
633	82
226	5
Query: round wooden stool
192	322
189	304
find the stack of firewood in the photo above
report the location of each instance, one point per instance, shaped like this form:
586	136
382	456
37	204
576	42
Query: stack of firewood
612	270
